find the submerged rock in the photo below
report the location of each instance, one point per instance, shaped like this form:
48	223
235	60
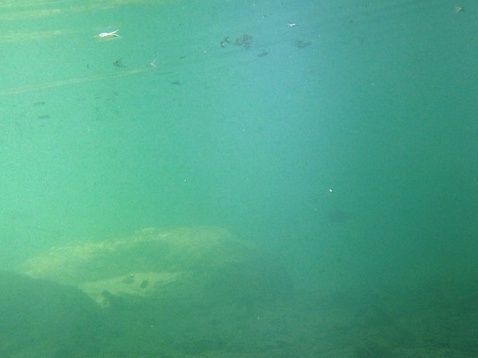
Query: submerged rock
176	293
208	265
45	319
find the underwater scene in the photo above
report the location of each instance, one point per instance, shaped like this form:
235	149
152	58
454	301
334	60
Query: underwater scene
235	179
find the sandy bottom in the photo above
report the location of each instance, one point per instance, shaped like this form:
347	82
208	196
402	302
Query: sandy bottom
438	319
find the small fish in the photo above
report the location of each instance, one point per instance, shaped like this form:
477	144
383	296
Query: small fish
108	34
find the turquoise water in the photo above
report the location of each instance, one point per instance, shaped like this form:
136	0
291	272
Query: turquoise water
340	137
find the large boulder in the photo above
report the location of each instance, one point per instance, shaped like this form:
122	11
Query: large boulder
173	293
206	263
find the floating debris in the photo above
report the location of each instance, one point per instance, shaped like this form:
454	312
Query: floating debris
302	44
118	62
244	41
224	41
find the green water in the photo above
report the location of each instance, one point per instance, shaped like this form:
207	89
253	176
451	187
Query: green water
340	138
